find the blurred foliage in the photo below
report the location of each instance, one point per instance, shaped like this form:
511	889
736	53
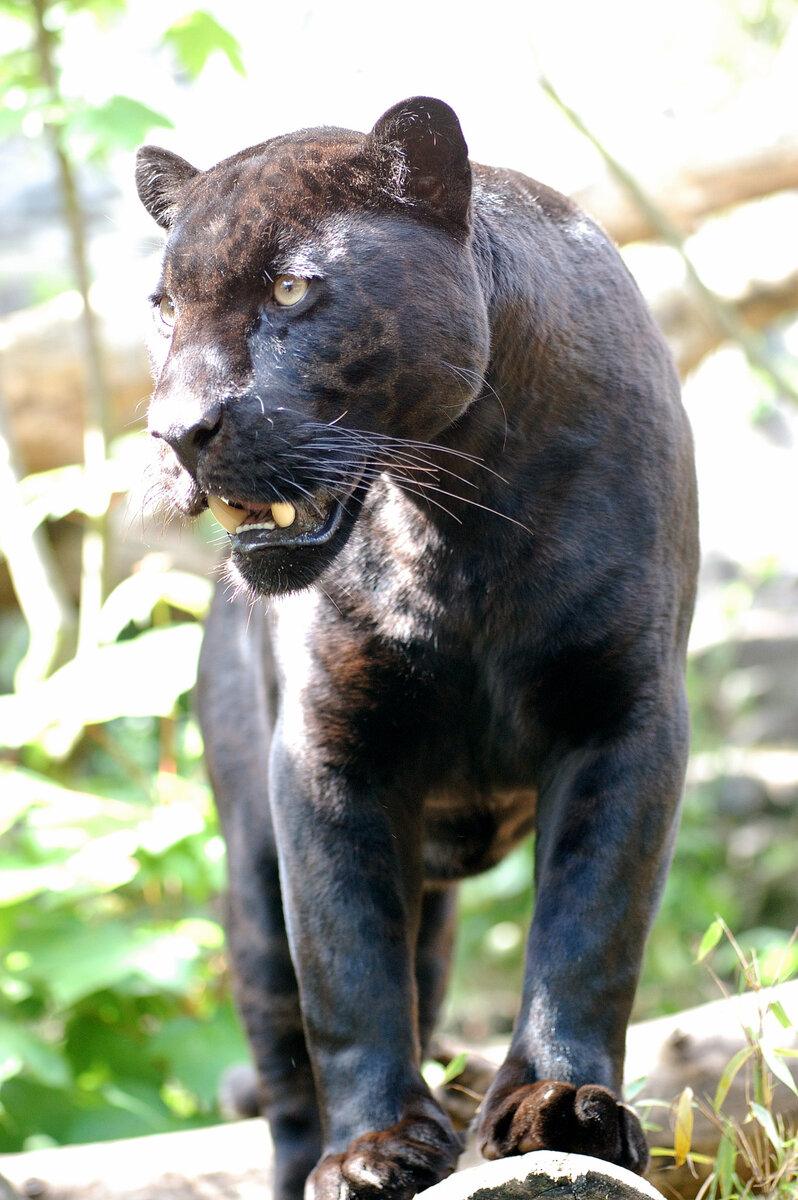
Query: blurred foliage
29	103
115	1016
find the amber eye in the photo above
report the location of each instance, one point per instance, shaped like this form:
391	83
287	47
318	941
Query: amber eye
289	289
166	308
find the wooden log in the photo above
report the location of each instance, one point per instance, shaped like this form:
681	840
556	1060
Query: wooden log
544	1173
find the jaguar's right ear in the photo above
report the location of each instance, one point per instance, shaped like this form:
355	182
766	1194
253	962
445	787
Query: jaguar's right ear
160	177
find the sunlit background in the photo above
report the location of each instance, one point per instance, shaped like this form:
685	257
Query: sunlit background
110	857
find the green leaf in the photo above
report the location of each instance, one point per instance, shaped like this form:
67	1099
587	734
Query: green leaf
725	1160
89	959
41	1060
141	677
710	940
731	1069
777	1008
63	490
778	1067
198	35
198	1052
121	123
455	1067
101	9
135	598
765	1119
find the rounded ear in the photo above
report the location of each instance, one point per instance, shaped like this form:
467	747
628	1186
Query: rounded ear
160	177
422	148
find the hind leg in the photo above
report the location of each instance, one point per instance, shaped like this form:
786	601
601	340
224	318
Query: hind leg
268	1002
433	957
235	705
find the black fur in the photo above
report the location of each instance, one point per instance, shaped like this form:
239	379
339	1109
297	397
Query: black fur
481	433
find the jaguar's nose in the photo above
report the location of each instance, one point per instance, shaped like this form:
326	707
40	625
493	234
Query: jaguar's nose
188	430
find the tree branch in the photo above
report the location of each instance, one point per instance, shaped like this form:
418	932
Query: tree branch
691	337
689	191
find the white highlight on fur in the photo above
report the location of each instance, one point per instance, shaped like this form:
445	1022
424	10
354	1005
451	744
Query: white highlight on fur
294	615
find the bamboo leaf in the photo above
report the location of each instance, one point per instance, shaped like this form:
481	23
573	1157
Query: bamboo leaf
777	1008
710	940
778	1068
683	1132
455	1067
725	1160
765	1119
732	1067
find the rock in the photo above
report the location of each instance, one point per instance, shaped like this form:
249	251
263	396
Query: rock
545	1172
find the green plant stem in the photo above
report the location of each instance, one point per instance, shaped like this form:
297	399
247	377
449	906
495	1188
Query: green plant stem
93	559
719	310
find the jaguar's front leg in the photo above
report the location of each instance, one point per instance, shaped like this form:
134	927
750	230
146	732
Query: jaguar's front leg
352	893
606	831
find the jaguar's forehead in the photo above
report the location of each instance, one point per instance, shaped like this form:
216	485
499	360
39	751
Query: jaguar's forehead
295	178
269	204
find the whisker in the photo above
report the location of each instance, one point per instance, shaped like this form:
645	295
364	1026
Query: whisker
422	495
464	373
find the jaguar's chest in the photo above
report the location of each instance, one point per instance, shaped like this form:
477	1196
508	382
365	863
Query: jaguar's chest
466	832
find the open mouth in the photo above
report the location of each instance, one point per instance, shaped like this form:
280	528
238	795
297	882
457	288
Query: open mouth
255	526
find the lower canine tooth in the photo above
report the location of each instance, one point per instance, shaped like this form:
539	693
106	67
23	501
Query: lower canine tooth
228	516
284	514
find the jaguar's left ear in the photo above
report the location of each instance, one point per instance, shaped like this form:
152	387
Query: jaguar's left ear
422	148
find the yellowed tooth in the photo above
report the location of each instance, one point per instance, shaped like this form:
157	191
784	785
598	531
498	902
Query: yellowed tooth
228	516
283	513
